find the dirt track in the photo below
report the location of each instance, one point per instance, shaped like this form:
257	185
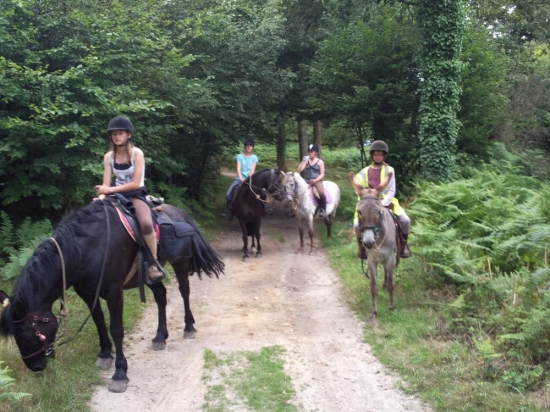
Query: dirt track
283	298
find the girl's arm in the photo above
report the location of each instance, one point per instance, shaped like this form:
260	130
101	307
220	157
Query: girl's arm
302	164
253	168
391	191
139	163
238	166
107	173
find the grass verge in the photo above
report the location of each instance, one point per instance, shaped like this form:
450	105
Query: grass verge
247	380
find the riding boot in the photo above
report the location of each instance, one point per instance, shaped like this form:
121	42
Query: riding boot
361	252
405	250
322	206
151	241
228	214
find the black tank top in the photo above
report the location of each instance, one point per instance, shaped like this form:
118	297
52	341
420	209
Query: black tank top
313	171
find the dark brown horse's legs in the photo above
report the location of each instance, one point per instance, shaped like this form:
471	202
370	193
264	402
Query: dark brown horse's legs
105	345
115	302
182	274
159	293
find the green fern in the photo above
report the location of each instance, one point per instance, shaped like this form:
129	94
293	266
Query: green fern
5	382
27	238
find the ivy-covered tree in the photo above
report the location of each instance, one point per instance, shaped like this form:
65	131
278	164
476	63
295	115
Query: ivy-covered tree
442	25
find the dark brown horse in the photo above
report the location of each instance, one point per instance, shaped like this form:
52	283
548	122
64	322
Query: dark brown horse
248	204
93	245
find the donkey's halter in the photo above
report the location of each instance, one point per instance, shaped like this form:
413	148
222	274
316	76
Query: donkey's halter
47	349
375	228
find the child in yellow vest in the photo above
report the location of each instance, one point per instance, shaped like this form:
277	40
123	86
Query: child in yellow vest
372	175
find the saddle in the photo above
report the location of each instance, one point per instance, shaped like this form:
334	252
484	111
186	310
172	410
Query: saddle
315	195
175	238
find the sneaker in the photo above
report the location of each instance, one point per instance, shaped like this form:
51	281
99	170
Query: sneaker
322	213
228	214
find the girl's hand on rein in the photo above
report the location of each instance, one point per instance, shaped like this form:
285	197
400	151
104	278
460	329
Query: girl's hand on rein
103	190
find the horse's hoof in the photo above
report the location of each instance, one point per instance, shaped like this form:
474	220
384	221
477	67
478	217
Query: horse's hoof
160	345
189	334
253	250
300	250
392	308
245	258
259	254
104	363
373	315
118	386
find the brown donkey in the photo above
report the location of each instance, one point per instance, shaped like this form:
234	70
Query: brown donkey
378	235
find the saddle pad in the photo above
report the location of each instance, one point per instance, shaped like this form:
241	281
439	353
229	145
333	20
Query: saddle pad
316	199
176	240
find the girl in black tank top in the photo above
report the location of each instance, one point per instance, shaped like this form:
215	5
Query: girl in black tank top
315	172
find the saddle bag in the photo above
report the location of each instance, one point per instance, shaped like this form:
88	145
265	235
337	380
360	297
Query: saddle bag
176	240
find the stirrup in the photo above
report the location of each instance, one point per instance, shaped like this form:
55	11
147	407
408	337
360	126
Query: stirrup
154	274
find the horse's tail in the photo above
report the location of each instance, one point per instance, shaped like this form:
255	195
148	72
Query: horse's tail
205	259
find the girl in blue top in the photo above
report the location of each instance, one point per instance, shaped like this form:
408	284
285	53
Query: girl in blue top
246	166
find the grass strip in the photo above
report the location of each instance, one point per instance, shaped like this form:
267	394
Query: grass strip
253	381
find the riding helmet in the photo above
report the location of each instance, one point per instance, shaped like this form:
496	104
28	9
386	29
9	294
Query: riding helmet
313	147
120	123
249	141
379	145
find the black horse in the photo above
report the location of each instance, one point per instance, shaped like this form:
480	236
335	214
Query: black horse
248	207
87	246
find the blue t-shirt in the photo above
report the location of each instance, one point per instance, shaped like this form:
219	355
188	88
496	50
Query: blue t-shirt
246	164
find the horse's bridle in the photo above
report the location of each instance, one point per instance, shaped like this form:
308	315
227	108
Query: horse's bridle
272	184
47	349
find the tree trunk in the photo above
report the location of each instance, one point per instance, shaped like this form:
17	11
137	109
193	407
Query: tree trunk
281	143
318	134
302	136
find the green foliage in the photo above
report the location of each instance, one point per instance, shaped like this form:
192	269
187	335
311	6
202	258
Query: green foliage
5	382
488	237
18	245
442	25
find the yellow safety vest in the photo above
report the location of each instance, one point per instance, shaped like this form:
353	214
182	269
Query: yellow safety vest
363	178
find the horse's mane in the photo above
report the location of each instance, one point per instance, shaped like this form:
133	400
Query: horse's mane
44	265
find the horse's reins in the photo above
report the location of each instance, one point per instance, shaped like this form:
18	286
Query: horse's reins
272	183
48	349
101	275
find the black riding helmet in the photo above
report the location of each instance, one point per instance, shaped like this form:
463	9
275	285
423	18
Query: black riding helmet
249	141
120	123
